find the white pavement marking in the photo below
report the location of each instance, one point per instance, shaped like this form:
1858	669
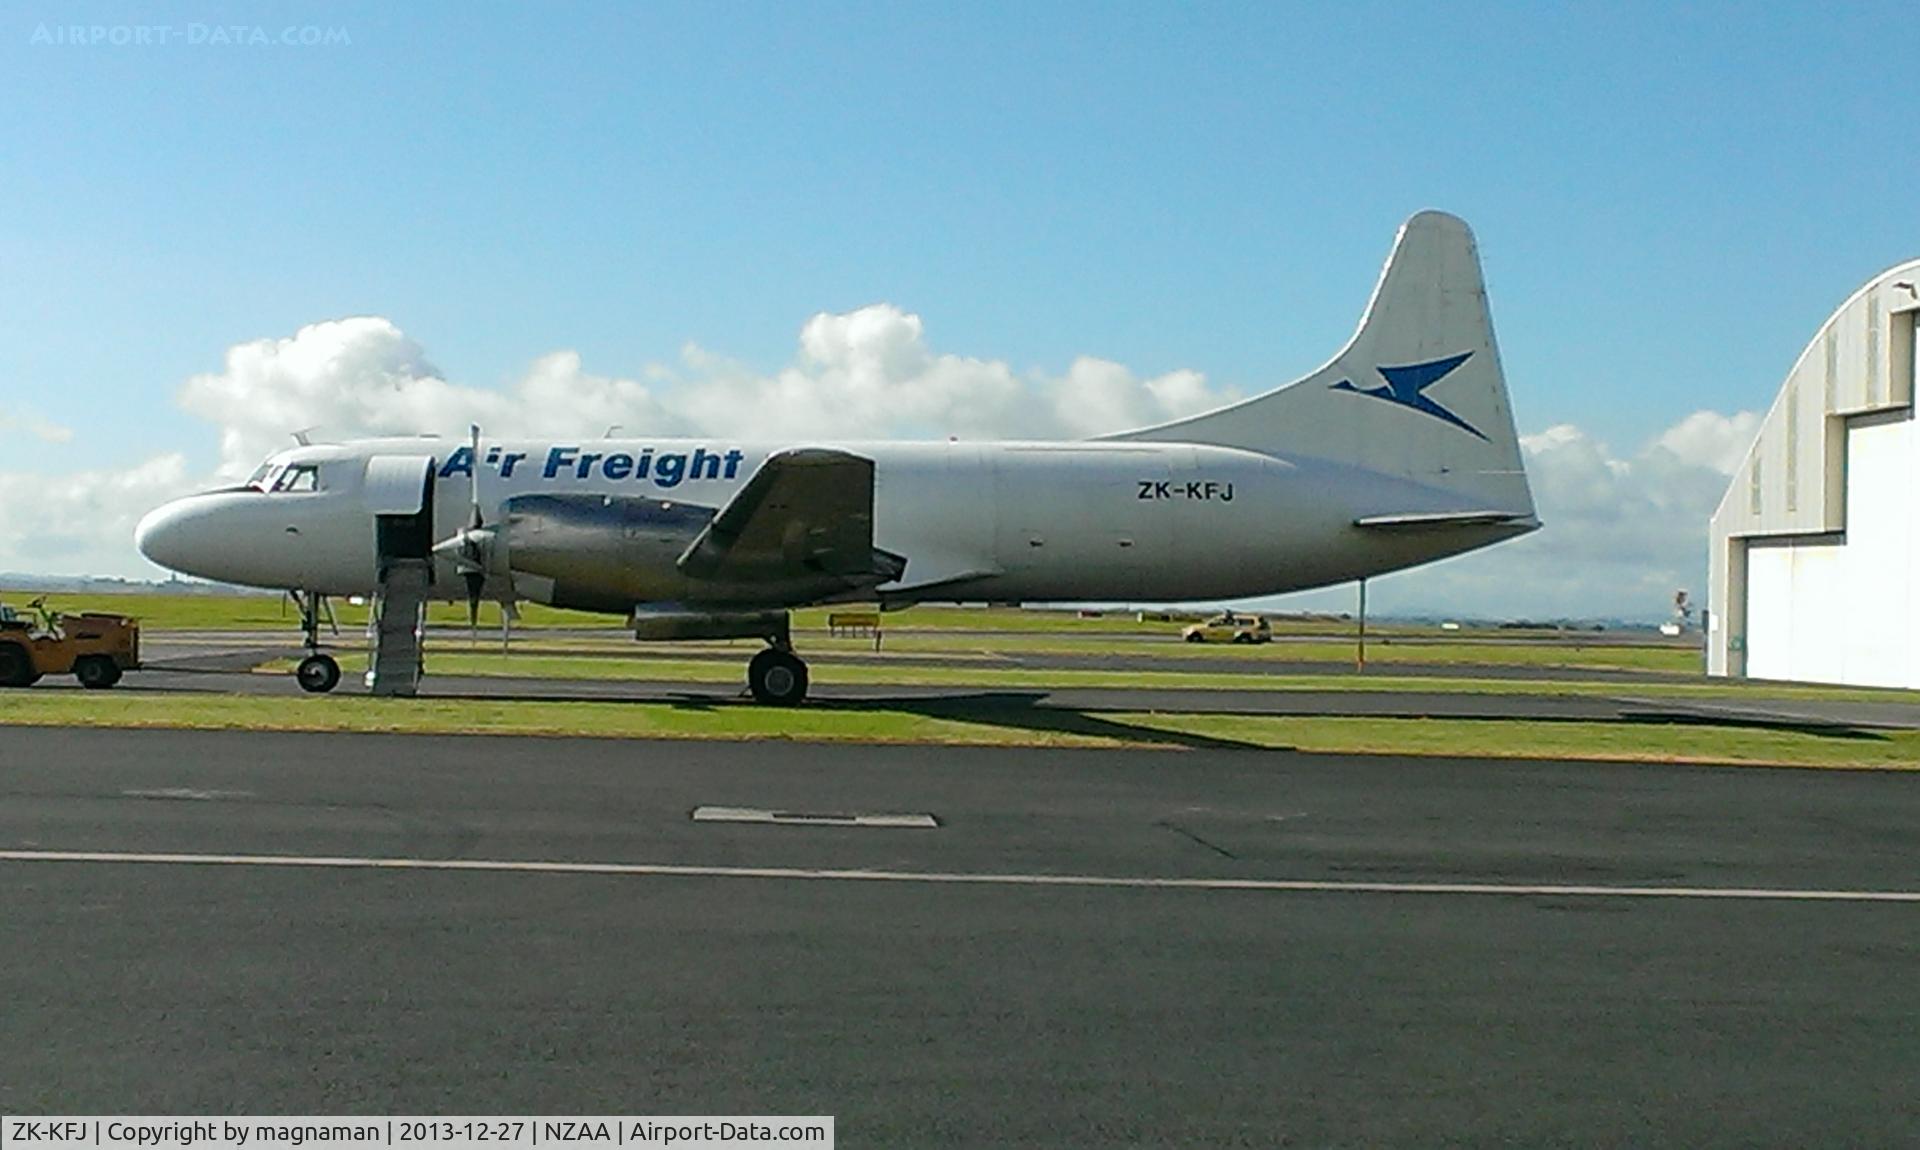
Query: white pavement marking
805	819
668	870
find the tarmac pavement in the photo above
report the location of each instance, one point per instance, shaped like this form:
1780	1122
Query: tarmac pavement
1088	947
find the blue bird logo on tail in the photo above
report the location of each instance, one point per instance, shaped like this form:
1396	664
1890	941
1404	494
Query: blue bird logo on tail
1407	386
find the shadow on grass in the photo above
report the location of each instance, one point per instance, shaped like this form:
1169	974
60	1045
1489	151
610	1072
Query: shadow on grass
1782	724
1027	711
1009	710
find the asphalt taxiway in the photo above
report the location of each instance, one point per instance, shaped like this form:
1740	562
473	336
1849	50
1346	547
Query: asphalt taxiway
1220	948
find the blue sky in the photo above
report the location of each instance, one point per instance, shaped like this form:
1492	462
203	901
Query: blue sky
1669	199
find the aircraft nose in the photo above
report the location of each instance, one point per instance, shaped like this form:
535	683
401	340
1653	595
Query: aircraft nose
164	533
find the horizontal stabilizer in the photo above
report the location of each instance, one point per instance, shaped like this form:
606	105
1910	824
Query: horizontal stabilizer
1434	520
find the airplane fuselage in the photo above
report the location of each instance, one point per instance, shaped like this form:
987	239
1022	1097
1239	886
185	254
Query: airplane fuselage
1063	522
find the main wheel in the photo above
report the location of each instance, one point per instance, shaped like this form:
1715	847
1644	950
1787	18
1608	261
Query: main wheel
96	672
1243	637
1196	637
16	670
777	678
318	674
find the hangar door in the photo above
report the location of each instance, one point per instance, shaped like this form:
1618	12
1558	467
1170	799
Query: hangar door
1797	623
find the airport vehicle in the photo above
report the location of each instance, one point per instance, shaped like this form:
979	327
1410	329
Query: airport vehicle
94	648
1228	627
1399	451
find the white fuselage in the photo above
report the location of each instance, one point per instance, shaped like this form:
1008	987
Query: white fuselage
1079	521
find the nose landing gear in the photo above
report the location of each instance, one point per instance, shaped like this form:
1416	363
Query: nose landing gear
318	673
777	677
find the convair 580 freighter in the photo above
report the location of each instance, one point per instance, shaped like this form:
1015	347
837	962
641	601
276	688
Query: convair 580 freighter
1400	451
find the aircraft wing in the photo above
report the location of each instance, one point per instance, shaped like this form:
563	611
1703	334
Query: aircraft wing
807	511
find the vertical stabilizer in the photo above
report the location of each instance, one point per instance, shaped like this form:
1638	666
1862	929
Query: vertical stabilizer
1417	393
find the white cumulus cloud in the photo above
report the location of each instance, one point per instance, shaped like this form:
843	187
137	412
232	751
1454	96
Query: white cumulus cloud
863	374
82	523
1711	439
35	426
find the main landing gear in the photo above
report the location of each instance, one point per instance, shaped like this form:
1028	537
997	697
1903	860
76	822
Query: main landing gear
777	676
317	673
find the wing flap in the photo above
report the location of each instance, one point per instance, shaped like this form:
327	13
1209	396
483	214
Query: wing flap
926	572
806	511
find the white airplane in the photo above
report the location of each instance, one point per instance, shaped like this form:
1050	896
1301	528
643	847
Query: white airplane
1400	451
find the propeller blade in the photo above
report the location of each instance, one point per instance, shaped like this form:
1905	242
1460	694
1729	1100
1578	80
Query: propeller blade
476	580
470	550
474	520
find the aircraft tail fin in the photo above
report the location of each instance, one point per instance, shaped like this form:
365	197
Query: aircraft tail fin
1417	392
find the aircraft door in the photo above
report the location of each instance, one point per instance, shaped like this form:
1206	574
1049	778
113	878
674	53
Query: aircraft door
399	492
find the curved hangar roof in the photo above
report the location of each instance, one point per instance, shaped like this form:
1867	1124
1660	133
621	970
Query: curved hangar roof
1860	363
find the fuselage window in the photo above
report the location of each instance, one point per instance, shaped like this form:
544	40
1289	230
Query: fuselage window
299	479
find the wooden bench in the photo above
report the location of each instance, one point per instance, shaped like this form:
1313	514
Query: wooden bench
854	624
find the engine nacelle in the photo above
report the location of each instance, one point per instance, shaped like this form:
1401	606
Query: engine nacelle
598	552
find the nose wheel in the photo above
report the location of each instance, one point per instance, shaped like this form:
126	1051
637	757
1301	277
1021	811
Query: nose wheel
317	674
777	677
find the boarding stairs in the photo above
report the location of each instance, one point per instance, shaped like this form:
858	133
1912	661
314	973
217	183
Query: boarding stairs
394	665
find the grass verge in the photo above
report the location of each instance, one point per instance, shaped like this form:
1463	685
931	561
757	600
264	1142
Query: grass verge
343	713
1529	739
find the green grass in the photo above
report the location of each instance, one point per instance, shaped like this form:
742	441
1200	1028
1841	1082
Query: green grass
1529	739
946	722
343	713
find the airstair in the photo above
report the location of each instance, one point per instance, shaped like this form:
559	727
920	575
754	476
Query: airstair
399	492
399	617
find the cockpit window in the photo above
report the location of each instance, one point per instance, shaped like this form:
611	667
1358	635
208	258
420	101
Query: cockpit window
297	478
